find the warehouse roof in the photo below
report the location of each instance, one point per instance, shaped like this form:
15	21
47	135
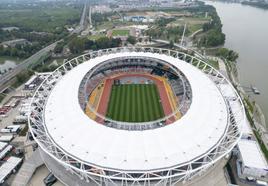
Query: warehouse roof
251	154
8	167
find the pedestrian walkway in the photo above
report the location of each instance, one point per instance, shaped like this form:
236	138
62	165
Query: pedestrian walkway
222	67
27	169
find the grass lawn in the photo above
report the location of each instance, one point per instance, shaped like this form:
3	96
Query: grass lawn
135	103
120	33
1	97
96	36
194	28
40	19
195	20
105	25
8	58
214	64
108	25
193	23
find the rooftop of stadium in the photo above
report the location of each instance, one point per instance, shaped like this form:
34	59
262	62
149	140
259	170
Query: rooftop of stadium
201	127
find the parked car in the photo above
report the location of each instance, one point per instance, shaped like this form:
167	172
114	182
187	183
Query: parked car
50	179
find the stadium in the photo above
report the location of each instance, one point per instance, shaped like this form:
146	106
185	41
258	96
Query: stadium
135	116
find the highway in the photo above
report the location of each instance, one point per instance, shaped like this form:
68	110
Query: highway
6	79
83	21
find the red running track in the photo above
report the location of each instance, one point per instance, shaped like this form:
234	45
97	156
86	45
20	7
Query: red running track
103	104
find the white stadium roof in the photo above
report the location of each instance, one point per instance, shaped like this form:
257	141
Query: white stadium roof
199	130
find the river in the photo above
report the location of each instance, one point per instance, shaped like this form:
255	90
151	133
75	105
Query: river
246	30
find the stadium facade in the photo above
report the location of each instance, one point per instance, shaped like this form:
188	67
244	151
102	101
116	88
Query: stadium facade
81	145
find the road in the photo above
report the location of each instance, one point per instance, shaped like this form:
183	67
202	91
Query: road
83	20
6	79
89	17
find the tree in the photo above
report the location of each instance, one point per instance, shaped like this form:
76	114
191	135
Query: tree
89	44
171	44
131	40
59	47
212	38
177	30
77	45
13	52
230	55
162	22
154	32
146	40
103	42
116	42
23	76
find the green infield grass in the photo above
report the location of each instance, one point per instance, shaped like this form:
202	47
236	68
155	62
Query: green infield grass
120	33
134	103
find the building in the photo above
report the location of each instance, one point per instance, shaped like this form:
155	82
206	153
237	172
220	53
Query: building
11	129
9	167
10	28
13	43
35	80
31	83
6	138
251	162
88	142
4	149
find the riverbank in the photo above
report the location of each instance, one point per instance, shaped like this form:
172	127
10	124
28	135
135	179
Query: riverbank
261	5
254	113
251	65
247	35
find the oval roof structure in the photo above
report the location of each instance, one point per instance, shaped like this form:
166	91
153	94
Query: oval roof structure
198	132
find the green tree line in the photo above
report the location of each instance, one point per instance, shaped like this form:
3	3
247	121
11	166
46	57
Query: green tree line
213	29
230	55
78	44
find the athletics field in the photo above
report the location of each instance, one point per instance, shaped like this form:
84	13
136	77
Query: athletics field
134	103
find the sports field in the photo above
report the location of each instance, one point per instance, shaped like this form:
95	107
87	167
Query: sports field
134	103
120	33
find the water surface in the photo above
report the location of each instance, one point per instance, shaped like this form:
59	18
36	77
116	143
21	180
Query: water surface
246	30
